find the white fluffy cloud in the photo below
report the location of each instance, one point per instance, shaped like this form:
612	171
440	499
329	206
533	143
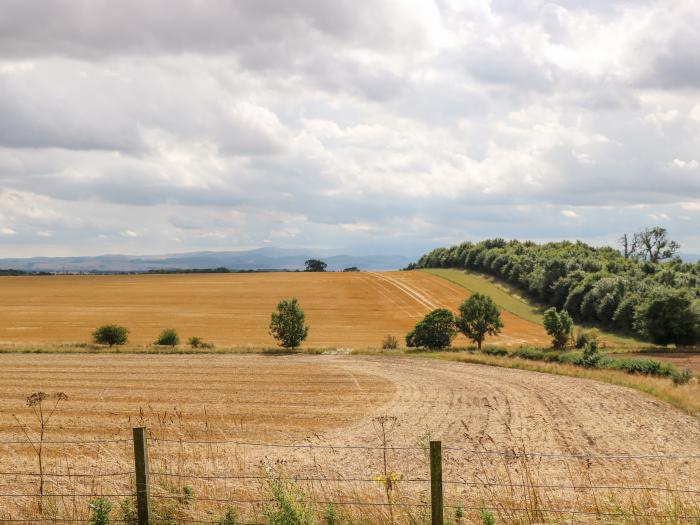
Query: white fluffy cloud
382	126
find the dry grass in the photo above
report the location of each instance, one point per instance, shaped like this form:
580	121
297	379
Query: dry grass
354	310
335	399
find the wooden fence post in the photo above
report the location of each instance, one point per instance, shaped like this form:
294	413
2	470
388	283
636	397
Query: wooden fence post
143	494
436	482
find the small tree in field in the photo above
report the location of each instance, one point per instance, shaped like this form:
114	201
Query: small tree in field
479	316
559	325
168	337
287	323
314	265
435	331
110	334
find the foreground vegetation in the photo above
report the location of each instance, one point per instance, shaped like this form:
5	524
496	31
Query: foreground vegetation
638	292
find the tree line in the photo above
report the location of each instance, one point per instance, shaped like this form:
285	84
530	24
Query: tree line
642	289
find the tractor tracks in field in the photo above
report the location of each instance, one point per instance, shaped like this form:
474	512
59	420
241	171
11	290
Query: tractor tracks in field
476	407
419	295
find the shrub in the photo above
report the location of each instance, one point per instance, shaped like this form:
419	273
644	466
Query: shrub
330	515
668	316
127	511
229	517
435	331
681	377
195	342
390	343
583	337
558	325
287	323
495	350
99	511
591	356
288	504
487	518
168	337
479	316
110	334
529	353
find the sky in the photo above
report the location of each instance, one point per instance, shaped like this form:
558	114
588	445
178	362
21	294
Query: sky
378	126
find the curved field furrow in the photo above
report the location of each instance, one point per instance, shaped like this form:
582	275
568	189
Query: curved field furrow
322	400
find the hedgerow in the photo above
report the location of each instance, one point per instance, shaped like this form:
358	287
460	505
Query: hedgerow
658	301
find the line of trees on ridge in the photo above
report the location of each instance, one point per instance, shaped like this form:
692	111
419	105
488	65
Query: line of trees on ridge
642	289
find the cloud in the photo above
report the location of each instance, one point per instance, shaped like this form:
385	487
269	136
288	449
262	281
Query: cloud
394	125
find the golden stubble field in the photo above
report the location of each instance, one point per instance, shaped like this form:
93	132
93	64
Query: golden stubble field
210	416
344	310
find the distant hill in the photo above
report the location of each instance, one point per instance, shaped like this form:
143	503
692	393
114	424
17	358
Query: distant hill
259	259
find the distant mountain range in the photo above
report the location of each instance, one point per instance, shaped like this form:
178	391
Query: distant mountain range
259	259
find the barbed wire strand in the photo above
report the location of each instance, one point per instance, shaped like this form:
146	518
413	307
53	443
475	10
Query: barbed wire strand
426	480
68	475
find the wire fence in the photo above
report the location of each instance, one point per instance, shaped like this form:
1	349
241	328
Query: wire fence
440	495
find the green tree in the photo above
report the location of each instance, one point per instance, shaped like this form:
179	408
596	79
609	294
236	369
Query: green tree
168	337
654	244
314	265
287	323
559	326
111	334
435	331
668	316
479	316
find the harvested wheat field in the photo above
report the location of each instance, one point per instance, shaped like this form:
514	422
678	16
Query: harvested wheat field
343	309
529	446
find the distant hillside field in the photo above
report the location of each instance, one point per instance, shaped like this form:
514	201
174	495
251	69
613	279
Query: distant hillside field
354	309
510	300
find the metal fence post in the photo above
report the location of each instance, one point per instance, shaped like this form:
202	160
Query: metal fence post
143	495
436	482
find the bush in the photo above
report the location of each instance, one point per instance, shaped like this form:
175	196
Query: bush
288	504
558	325
168	337
668	316
529	353
495	350
99	511
435	331
583	337
591	357
479	316
127	511
195	342
287	323
390	343
639	366
229	517
681	377
110	334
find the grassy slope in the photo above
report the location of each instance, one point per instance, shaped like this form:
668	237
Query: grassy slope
509	299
